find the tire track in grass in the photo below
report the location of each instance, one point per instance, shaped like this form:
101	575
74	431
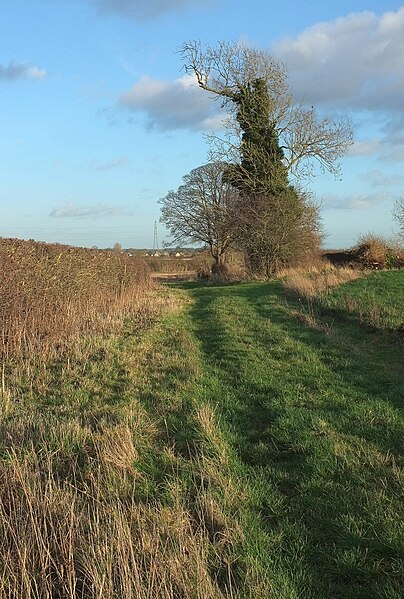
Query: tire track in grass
182	399
300	413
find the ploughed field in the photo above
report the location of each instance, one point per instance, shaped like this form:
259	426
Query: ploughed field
243	441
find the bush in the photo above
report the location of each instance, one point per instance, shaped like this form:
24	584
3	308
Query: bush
373	251
50	292
221	273
203	271
278	230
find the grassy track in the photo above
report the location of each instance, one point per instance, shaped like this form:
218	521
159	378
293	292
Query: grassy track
248	445
314	422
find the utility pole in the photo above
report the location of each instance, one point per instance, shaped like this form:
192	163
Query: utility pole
155	238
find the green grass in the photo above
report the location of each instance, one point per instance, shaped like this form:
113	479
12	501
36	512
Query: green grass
376	299
248	445
313	419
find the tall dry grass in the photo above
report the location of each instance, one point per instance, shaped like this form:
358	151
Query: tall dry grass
50	292
315	288
318	280
65	532
53	297
76	518
75	521
374	251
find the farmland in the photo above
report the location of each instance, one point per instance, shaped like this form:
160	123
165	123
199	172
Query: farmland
201	441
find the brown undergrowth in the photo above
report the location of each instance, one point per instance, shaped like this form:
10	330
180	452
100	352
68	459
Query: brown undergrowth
100	496
318	280
54	296
72	530
50	292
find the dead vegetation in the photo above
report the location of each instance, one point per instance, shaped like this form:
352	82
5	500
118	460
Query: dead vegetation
318	280
68	532
370	252
51	294
81	513
56	304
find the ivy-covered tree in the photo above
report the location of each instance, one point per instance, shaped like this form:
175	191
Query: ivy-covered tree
261	168
250	81
270	139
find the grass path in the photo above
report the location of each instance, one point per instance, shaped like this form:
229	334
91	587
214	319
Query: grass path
311	423
244	446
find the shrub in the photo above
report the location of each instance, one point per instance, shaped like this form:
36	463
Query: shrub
376	252
50	292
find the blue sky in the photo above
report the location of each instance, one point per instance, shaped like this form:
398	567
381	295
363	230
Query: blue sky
98	122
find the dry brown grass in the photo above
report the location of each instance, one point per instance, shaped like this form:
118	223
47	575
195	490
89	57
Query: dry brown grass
80	513
57	301
376	252
318	280
72	525
50	293
70	541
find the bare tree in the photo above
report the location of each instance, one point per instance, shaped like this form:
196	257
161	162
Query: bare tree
229	68
199	211
269	138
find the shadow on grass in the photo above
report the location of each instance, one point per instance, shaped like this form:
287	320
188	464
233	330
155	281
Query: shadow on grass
328	503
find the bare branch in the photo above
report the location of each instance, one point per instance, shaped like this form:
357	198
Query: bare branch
229	67
199	211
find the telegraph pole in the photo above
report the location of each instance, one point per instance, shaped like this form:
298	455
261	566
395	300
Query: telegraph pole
155	238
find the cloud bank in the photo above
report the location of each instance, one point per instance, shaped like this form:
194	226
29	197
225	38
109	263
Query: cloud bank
143	10
362	201
378	179
180	104
353	62
16	70
71	210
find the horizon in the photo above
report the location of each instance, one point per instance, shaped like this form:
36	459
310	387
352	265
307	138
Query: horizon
99	121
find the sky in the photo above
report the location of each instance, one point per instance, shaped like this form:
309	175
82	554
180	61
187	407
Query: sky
98	120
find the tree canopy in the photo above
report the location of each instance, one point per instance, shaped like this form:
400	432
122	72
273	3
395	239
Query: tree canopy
233	72
270	141
199	211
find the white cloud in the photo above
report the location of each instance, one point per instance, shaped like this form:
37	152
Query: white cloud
388	148
105	166
143	10
71	210
180	104
16	70
377	179
361	201
355	61
364	147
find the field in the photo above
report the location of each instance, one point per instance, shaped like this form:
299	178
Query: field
241	441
